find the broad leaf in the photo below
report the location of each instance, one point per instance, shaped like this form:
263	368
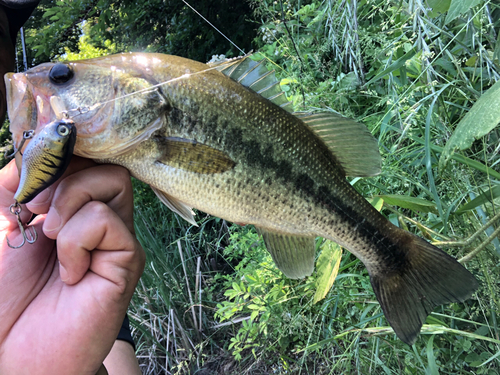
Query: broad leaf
376	202
483	117
327	267
440	6
411	203
458	7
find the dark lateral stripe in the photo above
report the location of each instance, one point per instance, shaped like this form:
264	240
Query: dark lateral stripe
258	153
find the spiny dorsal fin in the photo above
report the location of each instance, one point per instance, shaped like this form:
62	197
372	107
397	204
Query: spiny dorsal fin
176	206
293	255
256	77
352	144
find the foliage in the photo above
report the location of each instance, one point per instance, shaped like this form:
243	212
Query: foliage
410	70
155	26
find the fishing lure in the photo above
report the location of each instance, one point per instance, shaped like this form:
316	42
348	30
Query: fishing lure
45	159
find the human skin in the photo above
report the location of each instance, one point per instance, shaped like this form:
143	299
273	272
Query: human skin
62	303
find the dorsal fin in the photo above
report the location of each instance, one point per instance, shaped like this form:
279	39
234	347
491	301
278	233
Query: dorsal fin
256	77
351	142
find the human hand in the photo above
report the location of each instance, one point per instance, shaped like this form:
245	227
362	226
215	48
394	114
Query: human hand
64	318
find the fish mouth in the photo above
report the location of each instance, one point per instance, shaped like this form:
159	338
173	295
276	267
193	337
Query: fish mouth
27	109
16	86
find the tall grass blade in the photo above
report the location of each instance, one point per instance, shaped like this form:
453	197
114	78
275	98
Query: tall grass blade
432	368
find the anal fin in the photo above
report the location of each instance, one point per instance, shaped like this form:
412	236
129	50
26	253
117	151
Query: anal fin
183	210
293	255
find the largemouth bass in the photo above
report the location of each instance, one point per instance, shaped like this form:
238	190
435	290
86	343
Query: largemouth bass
221	138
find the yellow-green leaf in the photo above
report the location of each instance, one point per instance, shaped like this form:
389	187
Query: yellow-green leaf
327	267
376	202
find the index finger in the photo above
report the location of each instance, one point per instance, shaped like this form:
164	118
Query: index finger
9	180
105	183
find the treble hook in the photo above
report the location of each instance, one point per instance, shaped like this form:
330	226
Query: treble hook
27	134
29	236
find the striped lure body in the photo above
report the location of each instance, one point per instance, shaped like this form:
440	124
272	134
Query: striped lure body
45	158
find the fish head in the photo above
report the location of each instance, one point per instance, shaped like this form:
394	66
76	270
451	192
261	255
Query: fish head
111	100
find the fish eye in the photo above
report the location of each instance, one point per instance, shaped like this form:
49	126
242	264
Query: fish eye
60	73
63	130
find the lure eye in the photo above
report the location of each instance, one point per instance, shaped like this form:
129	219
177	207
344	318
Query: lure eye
63	130
60	73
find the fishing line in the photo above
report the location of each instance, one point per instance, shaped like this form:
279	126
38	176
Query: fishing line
83	110
220	32
296	51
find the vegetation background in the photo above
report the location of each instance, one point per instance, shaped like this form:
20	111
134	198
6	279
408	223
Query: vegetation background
211	300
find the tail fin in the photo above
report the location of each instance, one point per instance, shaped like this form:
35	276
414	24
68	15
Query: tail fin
429	278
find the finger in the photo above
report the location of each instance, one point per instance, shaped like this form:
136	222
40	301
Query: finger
106	183
9	180
96	239
41	203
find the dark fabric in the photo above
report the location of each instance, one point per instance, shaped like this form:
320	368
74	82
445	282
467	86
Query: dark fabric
17	13
125	334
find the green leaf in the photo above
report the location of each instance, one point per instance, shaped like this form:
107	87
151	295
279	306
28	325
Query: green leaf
483	198
464	160
328	267
253	306
49	12
431	360
440	6
254	315
376	202
458	7
483	117
411	203
473	359
394	66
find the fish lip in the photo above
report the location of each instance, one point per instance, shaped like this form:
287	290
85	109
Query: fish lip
27	105
16	86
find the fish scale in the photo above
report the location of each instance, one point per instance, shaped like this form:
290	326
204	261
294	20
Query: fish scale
203	138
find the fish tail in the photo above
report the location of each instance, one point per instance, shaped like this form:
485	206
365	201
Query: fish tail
427	277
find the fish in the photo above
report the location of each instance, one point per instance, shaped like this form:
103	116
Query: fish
222	138
46	158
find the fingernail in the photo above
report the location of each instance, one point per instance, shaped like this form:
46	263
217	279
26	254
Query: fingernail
63	273
53	220
42	198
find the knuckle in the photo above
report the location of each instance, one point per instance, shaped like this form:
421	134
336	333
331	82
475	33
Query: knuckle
97	209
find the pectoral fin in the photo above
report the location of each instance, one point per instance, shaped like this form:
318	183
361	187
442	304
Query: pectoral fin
293	255
193	156
179	208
